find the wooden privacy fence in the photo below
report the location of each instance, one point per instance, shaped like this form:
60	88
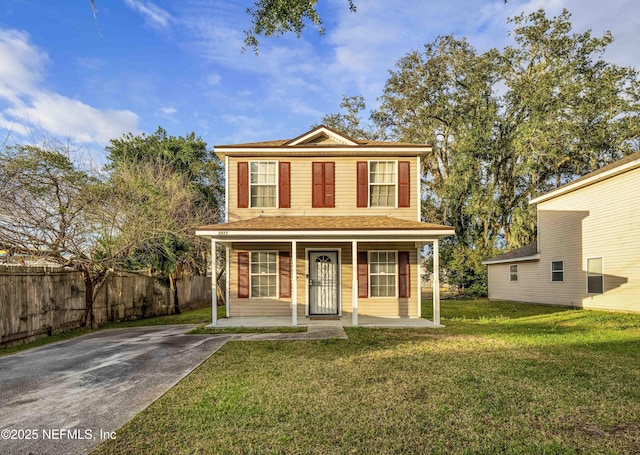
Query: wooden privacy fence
37	301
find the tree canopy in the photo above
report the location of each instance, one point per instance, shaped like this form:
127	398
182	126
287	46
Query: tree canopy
173	182
141	213
278	17
506	126
275	18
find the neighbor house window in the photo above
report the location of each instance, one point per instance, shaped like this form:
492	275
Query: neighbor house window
382	183
513	273
263	183
557	271
595	276
263	273
382	273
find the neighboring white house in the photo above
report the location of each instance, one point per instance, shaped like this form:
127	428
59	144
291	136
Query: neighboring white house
588	250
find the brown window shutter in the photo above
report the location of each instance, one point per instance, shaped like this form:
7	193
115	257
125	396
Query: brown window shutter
404	274
323	184
243	184
362	184
317	184
404	179
363	275
284	190
243	275
285	274
329	184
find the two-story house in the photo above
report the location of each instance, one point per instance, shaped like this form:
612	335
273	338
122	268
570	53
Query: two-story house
323	225
587	253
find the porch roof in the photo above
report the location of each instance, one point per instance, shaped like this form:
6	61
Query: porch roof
333	227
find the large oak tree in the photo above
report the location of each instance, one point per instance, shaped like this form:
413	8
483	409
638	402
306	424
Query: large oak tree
506	125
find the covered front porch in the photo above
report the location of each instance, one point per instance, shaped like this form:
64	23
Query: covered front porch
318	257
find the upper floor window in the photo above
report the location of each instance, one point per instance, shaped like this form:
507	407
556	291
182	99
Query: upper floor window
263	183
382	183
557	271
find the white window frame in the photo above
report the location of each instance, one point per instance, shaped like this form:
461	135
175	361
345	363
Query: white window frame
395	274
277	179
513	273
395	183
277	273
557	271
601	274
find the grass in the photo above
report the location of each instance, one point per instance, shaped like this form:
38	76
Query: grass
501	377
200	316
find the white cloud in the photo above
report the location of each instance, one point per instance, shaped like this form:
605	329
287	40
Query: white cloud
25	103
367	44
22	65
155	16
306	78
169	110
214	79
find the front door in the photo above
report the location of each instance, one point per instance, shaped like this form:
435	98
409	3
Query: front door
323	282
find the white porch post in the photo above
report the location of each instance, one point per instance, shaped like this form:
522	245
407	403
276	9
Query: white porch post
294	284
214	285
354	282
227	280
436	282
419	273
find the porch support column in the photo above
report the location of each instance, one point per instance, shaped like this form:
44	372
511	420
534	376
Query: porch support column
354	282
227	280
294	284
419	273
214	284
436	282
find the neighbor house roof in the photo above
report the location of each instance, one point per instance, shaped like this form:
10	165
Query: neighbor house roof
625	164
524	253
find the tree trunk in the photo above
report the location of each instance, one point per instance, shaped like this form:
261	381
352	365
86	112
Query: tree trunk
173	286
89	319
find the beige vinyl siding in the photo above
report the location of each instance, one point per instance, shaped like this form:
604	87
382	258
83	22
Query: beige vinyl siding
523	290
610	228
600	220
387	306
301	191
255	306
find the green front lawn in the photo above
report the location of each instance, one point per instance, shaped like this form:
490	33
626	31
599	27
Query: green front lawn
500	378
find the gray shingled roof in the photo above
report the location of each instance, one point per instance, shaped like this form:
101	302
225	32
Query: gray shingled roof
324	223
523	252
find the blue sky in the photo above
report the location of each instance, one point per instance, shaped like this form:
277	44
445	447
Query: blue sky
179	65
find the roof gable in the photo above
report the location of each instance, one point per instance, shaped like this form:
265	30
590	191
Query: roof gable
323	141
321	135
625	164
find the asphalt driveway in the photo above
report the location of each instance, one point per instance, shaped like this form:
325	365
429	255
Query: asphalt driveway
67	397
